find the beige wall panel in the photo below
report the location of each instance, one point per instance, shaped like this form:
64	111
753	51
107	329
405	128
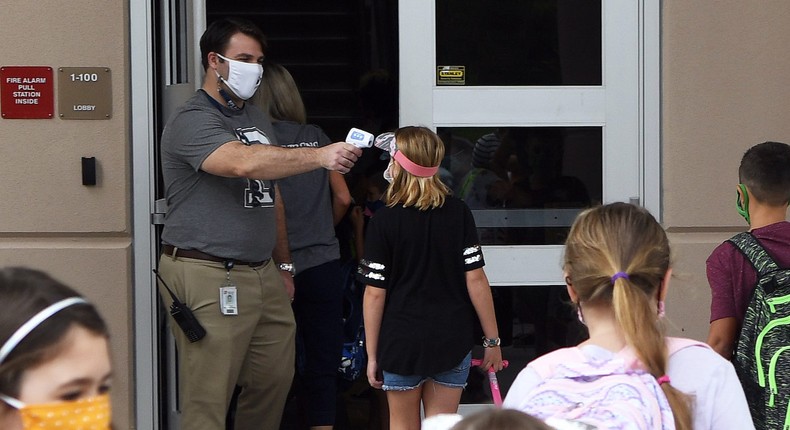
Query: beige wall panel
725	86
42	187
688	299
48	219
100	270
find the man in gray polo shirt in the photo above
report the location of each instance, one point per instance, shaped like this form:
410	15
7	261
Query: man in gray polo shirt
225	252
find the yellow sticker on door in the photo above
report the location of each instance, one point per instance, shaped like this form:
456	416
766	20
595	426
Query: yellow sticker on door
451	75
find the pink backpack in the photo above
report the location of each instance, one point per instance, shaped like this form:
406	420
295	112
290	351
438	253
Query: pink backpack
609	394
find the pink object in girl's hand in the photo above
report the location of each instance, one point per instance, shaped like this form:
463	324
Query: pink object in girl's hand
492	380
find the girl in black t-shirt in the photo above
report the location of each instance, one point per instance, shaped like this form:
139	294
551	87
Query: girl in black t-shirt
423	267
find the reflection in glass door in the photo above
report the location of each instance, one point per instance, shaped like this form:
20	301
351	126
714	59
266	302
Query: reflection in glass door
546	107
520	43
525	185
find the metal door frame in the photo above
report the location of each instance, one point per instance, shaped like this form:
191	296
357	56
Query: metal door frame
636	101
142	52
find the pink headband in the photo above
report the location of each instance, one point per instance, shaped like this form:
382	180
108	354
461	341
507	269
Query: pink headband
414	168
386	142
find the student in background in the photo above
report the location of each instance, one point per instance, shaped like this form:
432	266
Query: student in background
617	271
423	267
55	370
740	310
763	194
314	202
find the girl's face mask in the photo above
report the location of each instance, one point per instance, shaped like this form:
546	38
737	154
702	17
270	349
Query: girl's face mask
86	414
388	172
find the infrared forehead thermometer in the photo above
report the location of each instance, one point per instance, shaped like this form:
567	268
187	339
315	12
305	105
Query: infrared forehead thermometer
359	138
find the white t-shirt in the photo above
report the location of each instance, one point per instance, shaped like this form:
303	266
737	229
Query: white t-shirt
718	399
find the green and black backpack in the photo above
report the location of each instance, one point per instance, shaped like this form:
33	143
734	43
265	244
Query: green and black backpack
762	354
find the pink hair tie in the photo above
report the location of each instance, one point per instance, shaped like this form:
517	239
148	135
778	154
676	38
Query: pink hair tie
414	168
663	379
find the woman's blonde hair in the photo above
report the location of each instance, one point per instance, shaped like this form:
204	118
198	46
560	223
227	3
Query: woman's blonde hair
279	96
423	147
615	238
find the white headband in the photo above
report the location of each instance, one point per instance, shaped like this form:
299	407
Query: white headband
34	322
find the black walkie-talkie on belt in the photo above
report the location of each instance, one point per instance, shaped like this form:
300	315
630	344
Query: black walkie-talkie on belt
183	315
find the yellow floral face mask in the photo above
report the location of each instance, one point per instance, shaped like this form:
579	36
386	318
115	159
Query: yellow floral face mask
86	414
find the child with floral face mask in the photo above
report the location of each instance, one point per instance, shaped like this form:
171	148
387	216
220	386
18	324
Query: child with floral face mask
54	358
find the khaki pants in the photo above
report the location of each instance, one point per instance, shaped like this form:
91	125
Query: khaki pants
254	349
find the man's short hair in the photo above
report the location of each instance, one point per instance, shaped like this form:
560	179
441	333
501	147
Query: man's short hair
218	34
765	170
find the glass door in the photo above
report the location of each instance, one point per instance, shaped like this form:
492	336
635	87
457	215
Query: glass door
545	107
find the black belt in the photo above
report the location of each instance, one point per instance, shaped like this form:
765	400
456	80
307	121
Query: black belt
172	251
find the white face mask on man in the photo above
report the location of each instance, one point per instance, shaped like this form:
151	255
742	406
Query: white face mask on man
243	78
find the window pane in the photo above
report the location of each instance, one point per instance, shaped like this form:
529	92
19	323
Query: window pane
519	42
525	185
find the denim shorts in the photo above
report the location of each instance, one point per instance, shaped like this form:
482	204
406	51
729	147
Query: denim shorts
453	378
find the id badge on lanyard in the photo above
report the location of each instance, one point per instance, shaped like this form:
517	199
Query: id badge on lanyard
228	295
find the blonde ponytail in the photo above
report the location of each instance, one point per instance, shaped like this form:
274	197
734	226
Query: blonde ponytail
636	317
617	255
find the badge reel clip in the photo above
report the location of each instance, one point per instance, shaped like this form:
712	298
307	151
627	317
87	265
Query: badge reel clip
228	297
184	316
359	138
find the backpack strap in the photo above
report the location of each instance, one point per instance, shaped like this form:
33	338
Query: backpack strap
751	248
675	344
545	364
